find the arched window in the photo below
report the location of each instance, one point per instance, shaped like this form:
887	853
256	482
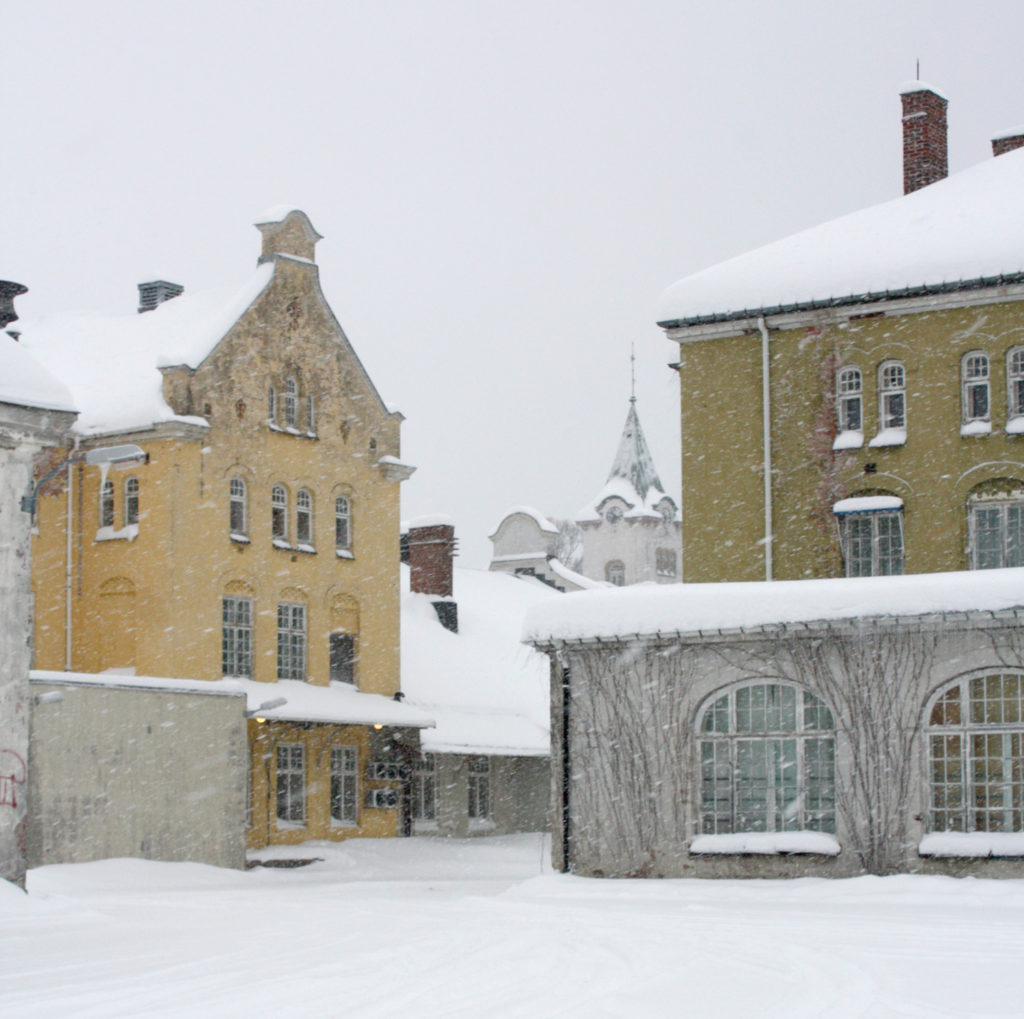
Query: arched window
342	524
131	501
107	503
665	562
279	513
892	395
291	403
615	573
995	526
304	517
272	405
974	376
849	394
976	754
238	517
1015	383
767	754
871	535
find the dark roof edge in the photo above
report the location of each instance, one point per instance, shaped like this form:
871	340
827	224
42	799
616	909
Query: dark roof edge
924	290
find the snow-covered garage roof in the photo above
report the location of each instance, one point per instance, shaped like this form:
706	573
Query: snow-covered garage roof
964	231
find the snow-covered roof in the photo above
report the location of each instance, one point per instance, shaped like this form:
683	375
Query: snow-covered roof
964	231
338	703
528	511
26	383
487	692
633	477
110	363
651	609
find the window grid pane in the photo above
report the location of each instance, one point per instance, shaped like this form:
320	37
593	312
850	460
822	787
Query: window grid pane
236	637
291	641
344	783
291	782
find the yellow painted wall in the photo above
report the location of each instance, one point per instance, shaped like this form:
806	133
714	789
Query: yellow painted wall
933	472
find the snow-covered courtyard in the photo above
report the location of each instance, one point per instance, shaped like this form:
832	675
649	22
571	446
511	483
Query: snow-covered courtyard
483	928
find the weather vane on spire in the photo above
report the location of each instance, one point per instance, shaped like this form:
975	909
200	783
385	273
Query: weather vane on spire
632	372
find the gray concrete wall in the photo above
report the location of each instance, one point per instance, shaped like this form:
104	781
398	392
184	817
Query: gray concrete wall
519	788
634	775
136	772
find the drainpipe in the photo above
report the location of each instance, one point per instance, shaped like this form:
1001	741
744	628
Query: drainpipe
68	572
566	769
766	426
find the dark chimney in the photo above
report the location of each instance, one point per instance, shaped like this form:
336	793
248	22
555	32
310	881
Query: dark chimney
924	137
432	550
156	292
8	291
1008	141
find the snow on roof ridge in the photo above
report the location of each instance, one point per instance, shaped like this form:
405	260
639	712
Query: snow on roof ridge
539	518
921	86
1011	132
959	231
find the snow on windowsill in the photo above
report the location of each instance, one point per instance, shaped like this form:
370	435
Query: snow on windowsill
281	543
976	428
890	437
127	533
312	435
306	548
848	440
766	844
1015	426
290	825
344	553
425	826
972	844
481	824
274	426
241	538
867	504
337	823
292	430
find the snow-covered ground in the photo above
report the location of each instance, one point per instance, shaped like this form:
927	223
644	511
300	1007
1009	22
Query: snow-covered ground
483	928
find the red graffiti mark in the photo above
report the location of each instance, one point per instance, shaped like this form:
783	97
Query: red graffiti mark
12	775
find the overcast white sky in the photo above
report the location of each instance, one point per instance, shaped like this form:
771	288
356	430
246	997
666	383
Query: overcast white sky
504	188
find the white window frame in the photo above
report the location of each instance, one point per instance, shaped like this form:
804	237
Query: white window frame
290	759
336	674
738	725
478	789
236	655
1014	383
304	518
665	561
279	513
106	507
850	399
343	524
976	754
291	641
1005	547
892	396
975	387
882	531
424	789
131	501
345	785
238	509
291	403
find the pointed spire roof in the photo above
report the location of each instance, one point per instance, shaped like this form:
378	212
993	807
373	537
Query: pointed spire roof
633	477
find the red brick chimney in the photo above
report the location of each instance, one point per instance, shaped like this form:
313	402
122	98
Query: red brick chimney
432	550
1008	141
924	136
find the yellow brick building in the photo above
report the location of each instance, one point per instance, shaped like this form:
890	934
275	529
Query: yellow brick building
257	543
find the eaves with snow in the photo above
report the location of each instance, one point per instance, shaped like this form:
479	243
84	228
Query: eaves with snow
694	611
486	692
960	233
24	382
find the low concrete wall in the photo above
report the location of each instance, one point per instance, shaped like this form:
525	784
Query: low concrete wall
116	771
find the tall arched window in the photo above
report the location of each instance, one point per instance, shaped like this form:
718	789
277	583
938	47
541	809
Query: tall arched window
849	393
1015	383
304	517
107	503
291	403
976	753
272	405
131	501
974	377
892	396
767	754
238	517
342	524
279	513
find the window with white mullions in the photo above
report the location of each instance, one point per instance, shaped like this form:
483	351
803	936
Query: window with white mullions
131	501
767	754
237	515
872	543
107	503
1015	383
344	784
849	396
304	517
279	513
976	755
424	777
479	789
236	637
291	641
291	782
291	403
892	395
974	373
342	524
996	533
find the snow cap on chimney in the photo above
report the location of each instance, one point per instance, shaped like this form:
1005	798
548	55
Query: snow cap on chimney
432	549
925	158
1007	141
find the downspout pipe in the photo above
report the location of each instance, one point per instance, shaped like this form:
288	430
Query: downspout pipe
766	427
566	764
69	572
